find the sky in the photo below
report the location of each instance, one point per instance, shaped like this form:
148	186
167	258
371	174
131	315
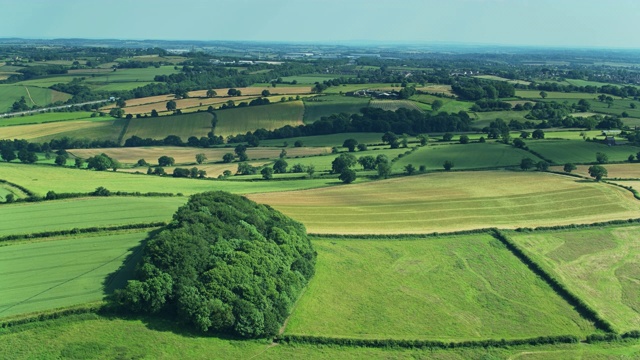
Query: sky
551	23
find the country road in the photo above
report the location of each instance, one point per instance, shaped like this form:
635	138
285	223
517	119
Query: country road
50	108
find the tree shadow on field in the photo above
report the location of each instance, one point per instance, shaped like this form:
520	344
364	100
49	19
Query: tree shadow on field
585	181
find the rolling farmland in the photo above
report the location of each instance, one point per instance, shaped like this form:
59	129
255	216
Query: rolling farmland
84	129
579	151
317	107
184	126
241	120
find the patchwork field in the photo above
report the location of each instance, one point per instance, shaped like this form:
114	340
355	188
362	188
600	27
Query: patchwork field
393	105
52	117
33	95
186	155
578	151
450	289
454	201
95	130
449	105
240	120
26	218
41	179
184	126
467	156
602	266
317	107
61	272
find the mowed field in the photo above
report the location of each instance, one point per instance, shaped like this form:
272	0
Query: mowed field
393	105
450	289
61	272
39	96
186	155
84	129
270	117
41	179
52	117
454	201
467	156
184	126
579	151
322	106
26	218
602	266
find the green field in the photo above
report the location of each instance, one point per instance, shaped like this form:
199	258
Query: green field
6	189
454	201
602	266
579	151
270	117
52	117
449	105
41	97
26	218
449	289
310	79
467	156
75	129
554	95
323	106
62	272
184	126
94	337
323	163
483	119
617	108
327	140
41	179
393	105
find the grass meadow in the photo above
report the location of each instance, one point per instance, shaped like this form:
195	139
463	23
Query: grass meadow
454	201
184	126
41	97
26	218
449	105
393	105
449	289
270	117
579	151
467	156
601	266
76	129
615	171
319	106
61	272
52	117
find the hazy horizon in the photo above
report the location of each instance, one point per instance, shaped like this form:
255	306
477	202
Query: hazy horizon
516	23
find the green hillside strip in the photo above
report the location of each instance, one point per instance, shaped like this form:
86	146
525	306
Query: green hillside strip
579	151
270	117
37	276
602	267
184	126
317	107
26	218
453	288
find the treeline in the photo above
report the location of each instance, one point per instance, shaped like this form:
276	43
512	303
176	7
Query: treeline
583	308
370	120
476	89
173	140
621	91
76	231
99	191
425	344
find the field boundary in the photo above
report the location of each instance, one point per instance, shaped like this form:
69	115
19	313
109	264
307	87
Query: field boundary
76	231
52	314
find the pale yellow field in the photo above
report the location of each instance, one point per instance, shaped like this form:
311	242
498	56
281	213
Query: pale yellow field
184	155
454	201
438	89
35	131
620	171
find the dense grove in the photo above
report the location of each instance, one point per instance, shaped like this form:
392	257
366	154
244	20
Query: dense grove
225	264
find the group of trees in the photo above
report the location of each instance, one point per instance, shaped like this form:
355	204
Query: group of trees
476	89
243	281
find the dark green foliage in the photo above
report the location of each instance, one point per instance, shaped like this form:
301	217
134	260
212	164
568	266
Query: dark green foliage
267	173
464	139
343	162
280	166
27	157
538	134
166	161
526	164
61	160
367	162
598	172
569	167
350	144
542	165
447	165
410	169
602	158
225	264
447	137
347	176
227	158
100	162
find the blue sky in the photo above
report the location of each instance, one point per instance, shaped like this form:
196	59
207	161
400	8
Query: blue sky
577	23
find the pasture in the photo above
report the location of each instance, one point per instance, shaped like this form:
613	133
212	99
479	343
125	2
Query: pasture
186	155
449	105
52	117
467	156
323	106
449	289
26	218
33	96
602	267
554	95
41	179
393	105
332	140
483	119
443	202
240	120
618	107
82	129
184	126
62	272
579	151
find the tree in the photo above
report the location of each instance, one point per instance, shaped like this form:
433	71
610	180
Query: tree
166	161
630	158
543	94
424	138
542	165
342	162
519	143
384	170
367	162
482	140
116	112
311	169
234	92
350	144
447	137
228	157
410	169
347	176
159	171
569	167
241	152
538	134
266	93
598	172
267	173
526	164
283	153
200	158
78	163
391	139
436	105
298	143
154	113
362	147
61	160
447	165
142	162
525	134
464	139
27	157
10	198
171	105
8	154
602	158
280	166
211	93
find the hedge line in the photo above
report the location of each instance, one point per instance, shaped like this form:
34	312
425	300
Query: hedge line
628	188
400	236
75	231
51	195
579	226
424	344
583	308
634	334
22	188
541	156
55	314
